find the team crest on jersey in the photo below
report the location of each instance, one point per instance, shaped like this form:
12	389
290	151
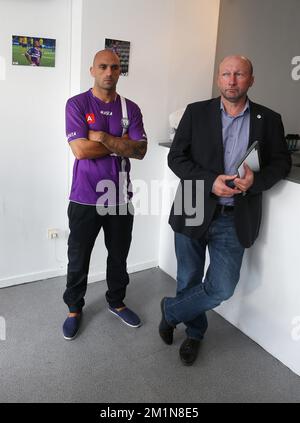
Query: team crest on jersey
125	123
90	118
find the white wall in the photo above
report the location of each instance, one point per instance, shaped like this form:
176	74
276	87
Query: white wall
167	258
171	63
172	53
269	35
147	25
192	58
192	51
34	154
265	305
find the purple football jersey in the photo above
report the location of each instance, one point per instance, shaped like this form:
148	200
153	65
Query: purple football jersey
101	181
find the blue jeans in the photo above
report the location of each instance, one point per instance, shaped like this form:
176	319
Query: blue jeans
194	295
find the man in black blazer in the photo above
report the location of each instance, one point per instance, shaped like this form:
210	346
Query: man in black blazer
211	138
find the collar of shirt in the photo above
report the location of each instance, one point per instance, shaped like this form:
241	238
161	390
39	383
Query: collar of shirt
246	108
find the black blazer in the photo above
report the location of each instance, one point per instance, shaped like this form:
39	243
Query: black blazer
197	154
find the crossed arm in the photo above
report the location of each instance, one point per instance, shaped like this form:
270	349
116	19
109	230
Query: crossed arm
100	144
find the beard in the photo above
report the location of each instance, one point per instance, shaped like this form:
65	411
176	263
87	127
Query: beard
233	97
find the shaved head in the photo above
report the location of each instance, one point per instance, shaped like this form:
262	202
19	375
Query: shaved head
106	70
242	59
103	55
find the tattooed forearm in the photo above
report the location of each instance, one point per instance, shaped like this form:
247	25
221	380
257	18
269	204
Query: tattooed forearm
123	146
133	149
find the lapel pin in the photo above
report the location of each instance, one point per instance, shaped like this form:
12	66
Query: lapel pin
258	116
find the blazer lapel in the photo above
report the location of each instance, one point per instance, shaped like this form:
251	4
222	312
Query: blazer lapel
216	131
256	123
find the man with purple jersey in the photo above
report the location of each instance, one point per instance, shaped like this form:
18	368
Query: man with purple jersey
34	54
104	130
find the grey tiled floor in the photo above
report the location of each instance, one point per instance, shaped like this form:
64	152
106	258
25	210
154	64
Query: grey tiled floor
110	362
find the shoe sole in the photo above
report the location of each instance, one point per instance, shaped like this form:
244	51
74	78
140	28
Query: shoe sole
187	364
70	339
128	324
73	337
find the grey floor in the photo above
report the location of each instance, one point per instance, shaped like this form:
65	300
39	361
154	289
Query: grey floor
109	362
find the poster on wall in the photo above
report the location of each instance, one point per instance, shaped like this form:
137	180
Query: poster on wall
33	51
122	49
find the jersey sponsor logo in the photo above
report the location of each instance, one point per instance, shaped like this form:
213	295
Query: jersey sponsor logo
90	118
71	134
106	112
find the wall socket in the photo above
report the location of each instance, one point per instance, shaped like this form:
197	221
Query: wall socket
52	233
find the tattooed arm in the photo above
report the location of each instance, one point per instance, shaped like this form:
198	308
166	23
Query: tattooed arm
121	146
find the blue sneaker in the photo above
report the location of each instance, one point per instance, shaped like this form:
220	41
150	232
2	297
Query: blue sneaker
71	326
127	316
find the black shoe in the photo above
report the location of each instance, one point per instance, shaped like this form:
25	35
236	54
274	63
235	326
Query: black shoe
188	351
165	330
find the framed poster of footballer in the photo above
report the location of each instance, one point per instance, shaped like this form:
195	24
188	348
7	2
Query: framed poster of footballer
33	51
122	49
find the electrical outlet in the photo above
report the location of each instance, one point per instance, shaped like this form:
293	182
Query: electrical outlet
52	233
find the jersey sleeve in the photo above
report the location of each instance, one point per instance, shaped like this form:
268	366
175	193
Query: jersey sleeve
136	131
76	125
